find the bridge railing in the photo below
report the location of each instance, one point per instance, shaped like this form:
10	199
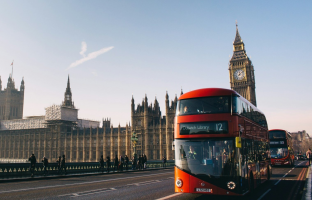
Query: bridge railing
12	170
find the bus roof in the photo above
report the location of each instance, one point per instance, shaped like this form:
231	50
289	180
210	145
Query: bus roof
277	130
204	92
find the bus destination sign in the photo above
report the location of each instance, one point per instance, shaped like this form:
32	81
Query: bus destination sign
203	128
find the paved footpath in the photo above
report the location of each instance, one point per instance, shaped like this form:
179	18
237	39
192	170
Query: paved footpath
308	186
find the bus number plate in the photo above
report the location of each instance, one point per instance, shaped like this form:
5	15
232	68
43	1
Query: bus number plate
203	190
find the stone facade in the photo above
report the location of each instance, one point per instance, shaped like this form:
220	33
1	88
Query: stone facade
242	78
301	141
79	145
61	132
11	100
154	131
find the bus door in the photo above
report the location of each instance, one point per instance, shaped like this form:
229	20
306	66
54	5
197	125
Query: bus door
244	166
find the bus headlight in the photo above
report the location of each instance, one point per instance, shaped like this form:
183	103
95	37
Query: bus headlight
231	185
179	183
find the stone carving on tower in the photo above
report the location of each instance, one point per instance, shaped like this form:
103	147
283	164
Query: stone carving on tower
242	78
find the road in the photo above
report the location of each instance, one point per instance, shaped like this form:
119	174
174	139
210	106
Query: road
286	183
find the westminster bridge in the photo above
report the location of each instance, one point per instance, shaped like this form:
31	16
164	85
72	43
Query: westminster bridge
83	181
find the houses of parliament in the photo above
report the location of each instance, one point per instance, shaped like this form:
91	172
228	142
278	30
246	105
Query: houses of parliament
60	131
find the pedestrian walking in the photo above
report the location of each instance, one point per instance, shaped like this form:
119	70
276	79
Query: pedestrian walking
116	163
63	167
45	166
108	163
33	161
121	163
126	162
59	161
140	162
164	161
101	168
309	155
144	161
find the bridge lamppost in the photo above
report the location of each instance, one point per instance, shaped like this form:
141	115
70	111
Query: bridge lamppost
134	139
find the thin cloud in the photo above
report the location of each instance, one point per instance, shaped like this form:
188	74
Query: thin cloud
83	49
90	56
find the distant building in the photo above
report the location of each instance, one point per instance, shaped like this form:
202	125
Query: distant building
242	78
155	132
301	141
59	132
11	100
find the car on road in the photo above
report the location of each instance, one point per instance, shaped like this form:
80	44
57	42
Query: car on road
300	157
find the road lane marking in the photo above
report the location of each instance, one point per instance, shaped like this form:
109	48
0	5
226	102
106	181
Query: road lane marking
145	182
300	177
264	194
77	193
278	182
170	196
89	193
287	173
90	182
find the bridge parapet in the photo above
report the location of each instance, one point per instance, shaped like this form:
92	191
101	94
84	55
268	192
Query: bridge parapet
13	170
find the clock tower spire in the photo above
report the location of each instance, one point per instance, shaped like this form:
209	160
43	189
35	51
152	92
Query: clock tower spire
68	96
241	70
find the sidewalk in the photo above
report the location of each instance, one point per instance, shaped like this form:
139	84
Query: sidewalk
74	174
307	188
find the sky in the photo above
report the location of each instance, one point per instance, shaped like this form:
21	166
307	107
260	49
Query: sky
113	50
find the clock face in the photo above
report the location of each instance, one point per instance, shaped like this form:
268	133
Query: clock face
239	74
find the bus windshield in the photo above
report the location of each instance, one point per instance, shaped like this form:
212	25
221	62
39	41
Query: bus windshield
211	157
279	152
204	105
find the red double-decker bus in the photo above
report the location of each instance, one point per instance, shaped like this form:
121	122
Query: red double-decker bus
281	148
221	143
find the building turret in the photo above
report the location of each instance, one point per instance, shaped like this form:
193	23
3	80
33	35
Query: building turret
22	86
11	101
11	84
68	96
167	102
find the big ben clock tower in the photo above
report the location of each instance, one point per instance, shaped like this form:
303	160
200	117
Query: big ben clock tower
241	70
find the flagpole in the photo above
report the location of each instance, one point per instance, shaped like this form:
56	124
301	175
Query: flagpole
12	69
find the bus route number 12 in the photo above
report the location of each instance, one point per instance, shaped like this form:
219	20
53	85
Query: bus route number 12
219	127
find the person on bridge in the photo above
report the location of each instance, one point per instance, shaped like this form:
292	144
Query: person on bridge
144	161
309	155
59	161
115	163
126	161
33	161
140	162
164	161
101	168
108	163
121	163
45	166
63	167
